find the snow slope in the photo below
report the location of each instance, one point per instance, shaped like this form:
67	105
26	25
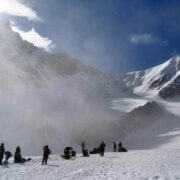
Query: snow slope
134	165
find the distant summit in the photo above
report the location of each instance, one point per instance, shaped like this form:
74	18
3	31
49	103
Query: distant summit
162	80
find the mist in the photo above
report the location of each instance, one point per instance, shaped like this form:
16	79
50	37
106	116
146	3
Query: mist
49	98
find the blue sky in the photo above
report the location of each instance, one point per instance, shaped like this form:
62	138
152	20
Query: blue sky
116	36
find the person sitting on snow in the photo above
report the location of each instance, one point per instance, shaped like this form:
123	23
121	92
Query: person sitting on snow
73	153
18	158
121	148
67	154
85	153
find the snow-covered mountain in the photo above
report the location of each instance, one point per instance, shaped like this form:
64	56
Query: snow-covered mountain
162	80
55	99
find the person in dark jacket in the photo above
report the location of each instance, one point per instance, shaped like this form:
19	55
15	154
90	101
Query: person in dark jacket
85	153
67	153
120	145
8	154
2	150
83	146
47	151
17	156
115	146
102	148
73	153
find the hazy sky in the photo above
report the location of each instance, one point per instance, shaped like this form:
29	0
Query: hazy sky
116	36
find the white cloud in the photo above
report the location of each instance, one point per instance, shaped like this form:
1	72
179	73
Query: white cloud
35	38
143	39
16	8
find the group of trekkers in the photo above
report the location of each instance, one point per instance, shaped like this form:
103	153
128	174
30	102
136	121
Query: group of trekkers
120	147
68	153
17	155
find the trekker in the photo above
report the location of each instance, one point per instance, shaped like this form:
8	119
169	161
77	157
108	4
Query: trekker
73	153
120	145
115	146
47	151
8	154
67	153
2	150
18	157
102	148
85	153
83	147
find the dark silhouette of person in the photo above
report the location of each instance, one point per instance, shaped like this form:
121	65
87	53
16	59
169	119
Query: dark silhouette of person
8	154
67	153
120	146
47	151
85	153
83	147
115	146
94	151
18	150
102	148
17	156
2	150
73	153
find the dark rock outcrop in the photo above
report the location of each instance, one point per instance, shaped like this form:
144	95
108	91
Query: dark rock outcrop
141	117
159	82
171	89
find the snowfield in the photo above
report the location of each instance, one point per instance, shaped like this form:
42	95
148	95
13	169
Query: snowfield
144	165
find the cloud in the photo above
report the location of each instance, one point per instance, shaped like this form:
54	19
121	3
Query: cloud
16	8
35	38
143	39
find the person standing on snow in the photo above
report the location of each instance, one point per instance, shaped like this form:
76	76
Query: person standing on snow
120	146
47	151
83	147
102	148
2	150
115	146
